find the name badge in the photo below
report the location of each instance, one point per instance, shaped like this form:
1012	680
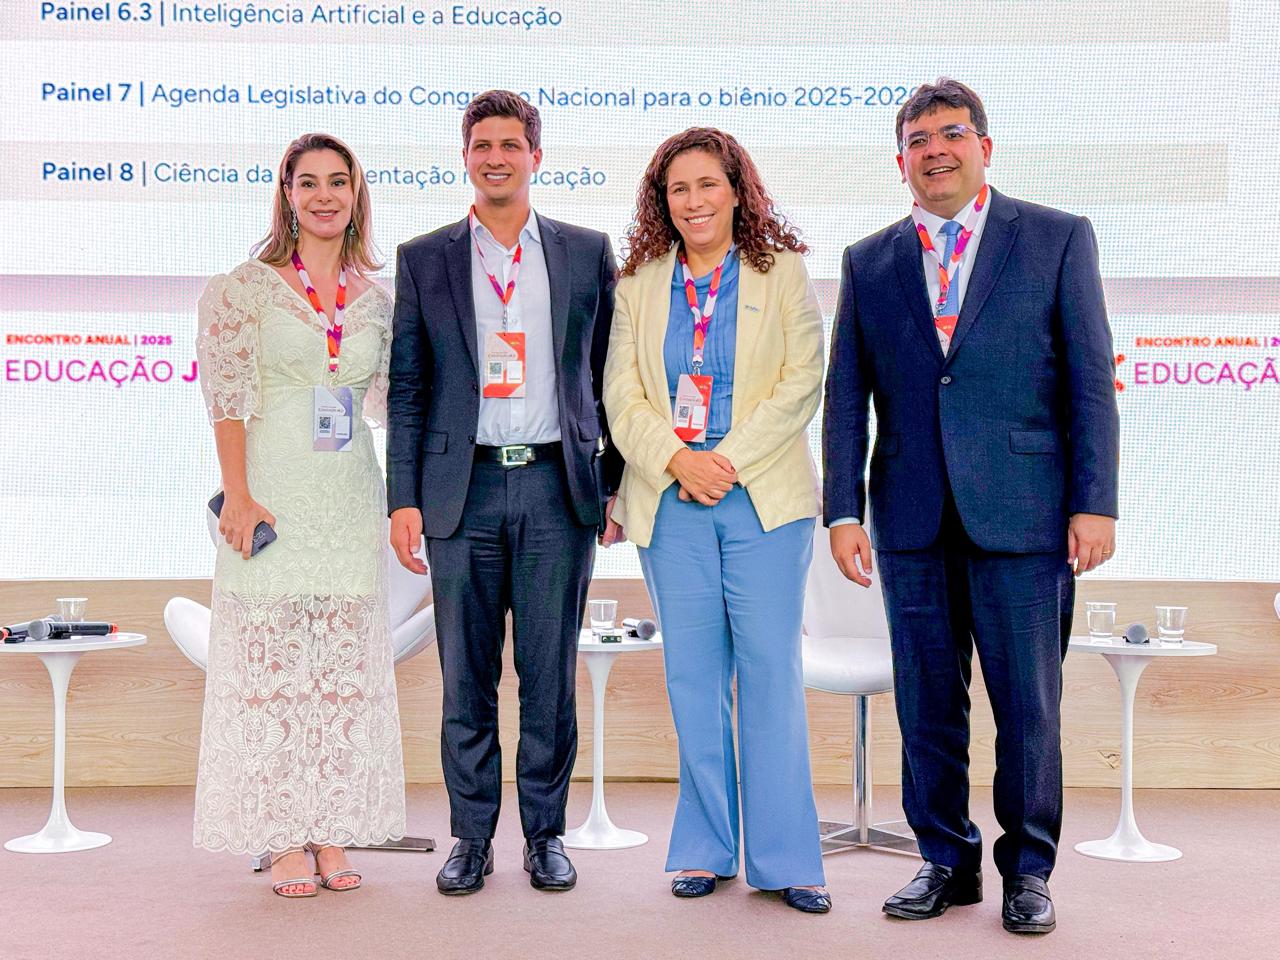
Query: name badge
946	327
693	401
504	365
331	419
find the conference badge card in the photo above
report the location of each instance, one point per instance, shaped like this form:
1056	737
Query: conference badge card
331	419
689	415
504	364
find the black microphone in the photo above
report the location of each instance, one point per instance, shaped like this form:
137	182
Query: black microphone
641	629
1136	633
63	629
15	632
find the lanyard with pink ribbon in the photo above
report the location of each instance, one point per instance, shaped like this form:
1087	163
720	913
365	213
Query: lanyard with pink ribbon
701	315
947	272
503	295
333	330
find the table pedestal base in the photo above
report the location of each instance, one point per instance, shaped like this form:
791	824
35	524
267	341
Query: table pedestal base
1114	849
1129	845
58	838
598	832
1127	842
59	834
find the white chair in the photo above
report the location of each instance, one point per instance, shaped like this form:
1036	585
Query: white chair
846	651
413	629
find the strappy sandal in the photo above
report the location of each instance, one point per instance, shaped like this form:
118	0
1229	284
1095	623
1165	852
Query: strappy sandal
279	887
326	881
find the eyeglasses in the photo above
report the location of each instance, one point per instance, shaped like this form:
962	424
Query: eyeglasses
952	133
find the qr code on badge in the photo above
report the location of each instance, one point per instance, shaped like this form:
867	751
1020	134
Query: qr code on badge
682	412
495	369
326	423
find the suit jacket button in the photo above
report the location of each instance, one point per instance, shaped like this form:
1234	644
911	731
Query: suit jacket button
471	439
474	388
946	380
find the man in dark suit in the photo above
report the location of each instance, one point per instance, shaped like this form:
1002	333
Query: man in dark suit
494	453
978	328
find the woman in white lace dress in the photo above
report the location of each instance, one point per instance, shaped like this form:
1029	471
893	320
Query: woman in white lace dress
300	746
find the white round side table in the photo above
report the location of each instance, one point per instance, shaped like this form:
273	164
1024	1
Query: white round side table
1128	660
59	656
598	831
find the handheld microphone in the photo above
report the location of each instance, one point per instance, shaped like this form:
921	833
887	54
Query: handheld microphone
1136	633
62	629
15	632
640	628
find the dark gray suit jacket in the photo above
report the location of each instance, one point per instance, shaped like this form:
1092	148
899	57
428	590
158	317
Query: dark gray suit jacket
434	401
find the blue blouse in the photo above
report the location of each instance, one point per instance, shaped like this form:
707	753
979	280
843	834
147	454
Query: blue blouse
717	354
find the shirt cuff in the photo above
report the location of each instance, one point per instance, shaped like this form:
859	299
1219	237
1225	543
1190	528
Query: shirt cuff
842	521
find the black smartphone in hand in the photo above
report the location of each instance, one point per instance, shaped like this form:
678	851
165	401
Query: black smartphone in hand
263	534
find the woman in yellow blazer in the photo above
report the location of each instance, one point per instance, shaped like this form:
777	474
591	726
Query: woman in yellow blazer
713	374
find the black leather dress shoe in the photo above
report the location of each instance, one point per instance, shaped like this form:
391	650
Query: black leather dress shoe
809	901
548	867
1027	905
695	886
934	889
469	863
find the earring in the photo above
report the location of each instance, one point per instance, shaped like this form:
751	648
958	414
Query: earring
293	224
351	228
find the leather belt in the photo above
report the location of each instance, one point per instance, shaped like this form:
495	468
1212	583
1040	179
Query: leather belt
518	454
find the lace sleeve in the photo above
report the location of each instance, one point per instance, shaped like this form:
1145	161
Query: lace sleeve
227	351
375	399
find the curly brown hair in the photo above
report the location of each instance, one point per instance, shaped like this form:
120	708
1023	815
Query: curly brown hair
759	230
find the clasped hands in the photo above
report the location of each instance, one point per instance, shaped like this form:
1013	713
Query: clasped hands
703	475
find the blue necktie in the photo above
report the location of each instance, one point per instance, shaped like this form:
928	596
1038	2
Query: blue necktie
952	306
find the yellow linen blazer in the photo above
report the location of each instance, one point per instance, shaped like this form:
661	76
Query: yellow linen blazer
777	379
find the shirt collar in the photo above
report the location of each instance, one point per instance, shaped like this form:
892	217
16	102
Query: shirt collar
933	223
529	233
730	268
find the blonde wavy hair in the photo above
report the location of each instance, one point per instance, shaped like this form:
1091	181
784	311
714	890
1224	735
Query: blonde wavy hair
358	250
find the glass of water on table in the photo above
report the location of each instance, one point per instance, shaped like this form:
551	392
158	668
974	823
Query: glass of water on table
1102	619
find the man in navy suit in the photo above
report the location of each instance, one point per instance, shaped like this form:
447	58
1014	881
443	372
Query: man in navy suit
494	452
978	328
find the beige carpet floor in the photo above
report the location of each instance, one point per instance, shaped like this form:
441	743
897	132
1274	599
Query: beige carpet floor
149	894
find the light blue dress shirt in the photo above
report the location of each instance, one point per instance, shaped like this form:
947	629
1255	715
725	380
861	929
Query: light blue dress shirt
535	417
721	346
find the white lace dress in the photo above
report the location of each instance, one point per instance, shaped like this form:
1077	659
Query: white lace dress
301	734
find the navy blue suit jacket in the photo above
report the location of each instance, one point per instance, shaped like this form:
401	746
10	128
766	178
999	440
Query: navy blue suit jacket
434	399
1019	417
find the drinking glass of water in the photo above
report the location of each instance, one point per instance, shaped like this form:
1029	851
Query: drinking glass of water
1171	623
602	613
1102	619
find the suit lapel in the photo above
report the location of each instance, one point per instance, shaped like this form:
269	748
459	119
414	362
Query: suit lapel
751	306
457	255
993	252
560	281
650	324
910	262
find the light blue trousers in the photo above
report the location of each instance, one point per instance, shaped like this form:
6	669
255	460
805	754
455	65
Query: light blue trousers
730	599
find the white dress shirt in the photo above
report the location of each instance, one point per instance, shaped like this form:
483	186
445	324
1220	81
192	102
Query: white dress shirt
535	417
933	223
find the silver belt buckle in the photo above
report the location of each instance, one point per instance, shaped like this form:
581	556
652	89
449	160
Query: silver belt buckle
516	455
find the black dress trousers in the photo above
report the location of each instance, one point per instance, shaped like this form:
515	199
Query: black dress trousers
520	549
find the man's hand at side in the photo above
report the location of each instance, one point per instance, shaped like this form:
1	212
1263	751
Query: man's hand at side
849	544
406	538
